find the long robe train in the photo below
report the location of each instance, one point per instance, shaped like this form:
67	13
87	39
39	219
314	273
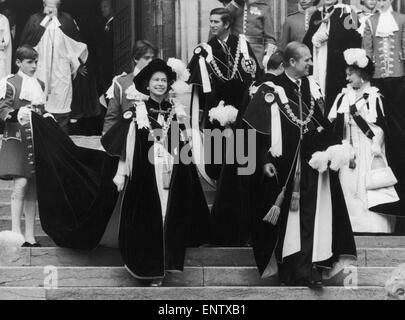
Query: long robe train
149	245
76	195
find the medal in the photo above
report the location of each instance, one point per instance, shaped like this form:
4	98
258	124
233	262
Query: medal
128	115
269	98
249	66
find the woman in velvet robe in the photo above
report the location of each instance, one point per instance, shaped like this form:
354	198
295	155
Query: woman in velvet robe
160	216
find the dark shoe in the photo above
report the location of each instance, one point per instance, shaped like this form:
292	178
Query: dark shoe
156	283
315	283
31	245
315	280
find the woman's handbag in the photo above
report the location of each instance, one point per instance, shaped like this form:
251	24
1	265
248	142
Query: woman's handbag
380	174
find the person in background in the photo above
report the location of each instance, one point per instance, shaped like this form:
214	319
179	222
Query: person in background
222	72
254	19
58	63
384	43
142	54
368	9
297	23
5	47
106	49
332	30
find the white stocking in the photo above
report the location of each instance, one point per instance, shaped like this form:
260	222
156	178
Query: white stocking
17	200
30	208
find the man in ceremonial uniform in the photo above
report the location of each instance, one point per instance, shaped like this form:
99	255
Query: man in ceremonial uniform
253	18
384	43
307	226
143	53
223	69
297	23
368	9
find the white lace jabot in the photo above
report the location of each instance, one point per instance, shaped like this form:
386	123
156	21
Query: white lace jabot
386	24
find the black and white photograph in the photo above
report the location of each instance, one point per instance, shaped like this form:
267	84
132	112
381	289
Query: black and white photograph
216	152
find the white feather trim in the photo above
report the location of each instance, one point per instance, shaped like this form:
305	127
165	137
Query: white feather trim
319	161
340	156
180	87
224	114
180	68
11	239
357	57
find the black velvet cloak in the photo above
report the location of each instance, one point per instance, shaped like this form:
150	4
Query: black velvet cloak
342	36
236	196
269	239
232	92
76	195
149	245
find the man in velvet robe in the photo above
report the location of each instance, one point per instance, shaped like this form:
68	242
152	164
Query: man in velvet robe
236	195
317	231
332	30
227	83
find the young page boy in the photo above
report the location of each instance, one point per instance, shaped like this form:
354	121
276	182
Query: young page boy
21	94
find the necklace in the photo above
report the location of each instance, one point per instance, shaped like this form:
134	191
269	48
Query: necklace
219	73
165	128
245	18
299	122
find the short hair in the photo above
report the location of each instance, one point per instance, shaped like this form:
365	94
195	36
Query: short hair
58	2
291	52
276	59
226	16
316	2
141	47
26	52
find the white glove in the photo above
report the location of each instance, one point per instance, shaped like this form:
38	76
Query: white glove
23	115
119	181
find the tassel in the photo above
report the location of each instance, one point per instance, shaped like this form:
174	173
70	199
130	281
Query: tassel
295	199
295	202
274	213
352	164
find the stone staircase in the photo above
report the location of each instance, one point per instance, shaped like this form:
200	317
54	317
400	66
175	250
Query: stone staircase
52	273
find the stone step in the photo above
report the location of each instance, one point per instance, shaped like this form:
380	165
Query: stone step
191	277
5	211
397	242
5	196
6	184
5	224
195	257
200	293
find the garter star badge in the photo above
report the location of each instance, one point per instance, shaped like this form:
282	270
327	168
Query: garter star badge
249	66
